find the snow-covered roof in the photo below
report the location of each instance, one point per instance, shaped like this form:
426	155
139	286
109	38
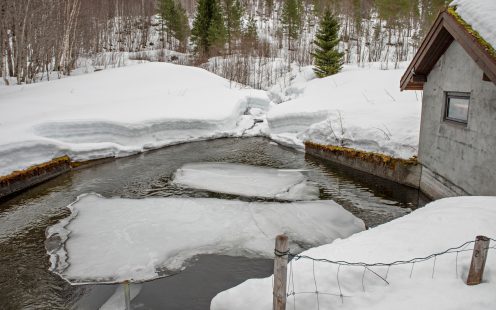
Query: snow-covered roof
472	23
481	15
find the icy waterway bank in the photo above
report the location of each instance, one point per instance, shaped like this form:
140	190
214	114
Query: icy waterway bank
113	240
119	112
124	111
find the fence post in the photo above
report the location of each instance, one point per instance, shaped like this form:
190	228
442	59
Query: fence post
478	260
127	295
280	272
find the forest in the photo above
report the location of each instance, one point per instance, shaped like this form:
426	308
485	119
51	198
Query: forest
253	42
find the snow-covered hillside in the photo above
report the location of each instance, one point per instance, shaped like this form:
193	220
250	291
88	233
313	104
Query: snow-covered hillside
433	284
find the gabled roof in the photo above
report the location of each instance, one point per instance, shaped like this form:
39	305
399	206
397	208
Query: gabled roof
445	30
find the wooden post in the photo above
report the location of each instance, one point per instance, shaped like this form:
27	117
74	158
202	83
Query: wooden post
478	260
280	272
127	295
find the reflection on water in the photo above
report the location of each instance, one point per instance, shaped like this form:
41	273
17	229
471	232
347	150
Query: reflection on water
25	281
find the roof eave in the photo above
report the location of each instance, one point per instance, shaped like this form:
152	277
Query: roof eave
444	30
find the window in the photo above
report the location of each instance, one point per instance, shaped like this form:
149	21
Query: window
457	107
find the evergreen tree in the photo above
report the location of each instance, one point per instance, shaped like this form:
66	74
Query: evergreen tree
291	19
269	7
208	27
165	9
233	12
175	21
328	60
391	10
181	30
251	29
250	34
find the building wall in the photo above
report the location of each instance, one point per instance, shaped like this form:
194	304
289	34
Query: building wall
458	159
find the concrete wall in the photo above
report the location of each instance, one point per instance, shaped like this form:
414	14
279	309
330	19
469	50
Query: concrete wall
17	182
458	159
408	175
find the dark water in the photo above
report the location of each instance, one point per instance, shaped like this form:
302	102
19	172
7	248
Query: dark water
26	283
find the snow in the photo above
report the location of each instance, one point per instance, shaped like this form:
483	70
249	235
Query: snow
113	240
481	15
246	180
119	112
124	111
438	284
360	108
298	77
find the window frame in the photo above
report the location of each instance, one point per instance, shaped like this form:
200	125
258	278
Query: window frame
456	95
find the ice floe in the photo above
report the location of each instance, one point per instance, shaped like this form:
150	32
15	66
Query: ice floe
114	239
246	180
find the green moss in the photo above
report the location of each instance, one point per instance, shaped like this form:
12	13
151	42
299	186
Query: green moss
375	158
34	171
474	33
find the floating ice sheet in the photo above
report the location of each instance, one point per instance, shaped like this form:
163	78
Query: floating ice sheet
245	180
113	240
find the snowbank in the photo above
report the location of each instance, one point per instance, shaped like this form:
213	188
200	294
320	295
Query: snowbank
481	15
360	108
433	284
120	112
292	84
245	180
112	240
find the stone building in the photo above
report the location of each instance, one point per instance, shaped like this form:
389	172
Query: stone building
455	67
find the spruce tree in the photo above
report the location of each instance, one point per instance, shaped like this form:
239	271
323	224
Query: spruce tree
269	7
233	12
208	27
175	20
250	32
181	28
291	19
328	60
166	12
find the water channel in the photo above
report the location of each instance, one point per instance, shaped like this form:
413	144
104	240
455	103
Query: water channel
26	283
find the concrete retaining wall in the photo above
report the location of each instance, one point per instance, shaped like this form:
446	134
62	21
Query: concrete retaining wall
406	172
21	180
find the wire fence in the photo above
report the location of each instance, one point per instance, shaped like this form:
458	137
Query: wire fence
291	292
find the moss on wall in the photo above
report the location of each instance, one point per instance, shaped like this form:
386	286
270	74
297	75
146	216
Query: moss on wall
34	171
375	158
